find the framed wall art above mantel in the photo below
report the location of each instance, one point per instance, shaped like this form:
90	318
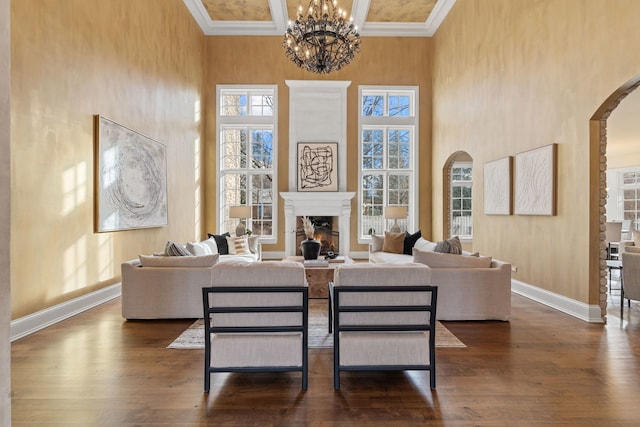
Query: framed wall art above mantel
317	166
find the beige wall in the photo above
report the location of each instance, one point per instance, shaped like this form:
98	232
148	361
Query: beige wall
513	75
138	63
5	196
261	60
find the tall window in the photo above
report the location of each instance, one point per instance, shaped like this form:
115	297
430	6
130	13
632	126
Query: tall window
461	191
388	126
247	141
630	188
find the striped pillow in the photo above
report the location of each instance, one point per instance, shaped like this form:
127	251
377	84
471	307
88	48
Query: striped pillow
174	249
238	245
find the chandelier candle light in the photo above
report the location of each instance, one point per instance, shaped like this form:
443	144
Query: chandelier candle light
322	41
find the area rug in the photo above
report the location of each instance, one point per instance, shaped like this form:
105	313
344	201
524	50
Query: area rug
319	337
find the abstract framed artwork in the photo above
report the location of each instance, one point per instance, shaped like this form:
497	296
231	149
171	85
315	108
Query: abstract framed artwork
535	181
317	166
497	186
130	178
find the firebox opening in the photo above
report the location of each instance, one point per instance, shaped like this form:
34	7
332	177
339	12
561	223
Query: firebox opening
324	232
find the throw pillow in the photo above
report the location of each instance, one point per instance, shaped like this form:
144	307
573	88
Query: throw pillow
206	247
409	241
253	244
174	249
174	261
393	242
449	246
221	242
376	243
238	245
442	260
425	245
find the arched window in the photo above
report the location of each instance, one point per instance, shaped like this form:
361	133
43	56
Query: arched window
459	196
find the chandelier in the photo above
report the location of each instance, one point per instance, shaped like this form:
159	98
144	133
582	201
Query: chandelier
322	41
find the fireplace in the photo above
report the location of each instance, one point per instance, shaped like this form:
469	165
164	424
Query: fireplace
336	205
325	232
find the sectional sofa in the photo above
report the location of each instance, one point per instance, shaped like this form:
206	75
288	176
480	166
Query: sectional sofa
170	287
470	286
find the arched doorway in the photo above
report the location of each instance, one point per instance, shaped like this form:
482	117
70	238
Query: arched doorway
598	192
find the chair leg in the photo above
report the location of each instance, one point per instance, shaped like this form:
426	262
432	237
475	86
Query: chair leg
432	377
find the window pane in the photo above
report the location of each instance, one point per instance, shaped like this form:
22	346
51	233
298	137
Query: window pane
261	149
373	105
372	150
234	105
234	151
261	105
399	106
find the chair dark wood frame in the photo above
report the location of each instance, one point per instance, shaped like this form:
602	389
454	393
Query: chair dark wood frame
430	327
210	329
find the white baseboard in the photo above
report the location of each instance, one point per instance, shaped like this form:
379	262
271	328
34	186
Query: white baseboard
31	323
586	312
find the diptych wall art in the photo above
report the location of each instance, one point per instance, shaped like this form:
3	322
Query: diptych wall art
131	178
497	186
317	166
535	181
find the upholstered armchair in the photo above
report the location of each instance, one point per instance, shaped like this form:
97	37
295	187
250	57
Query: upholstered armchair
384	318
256	318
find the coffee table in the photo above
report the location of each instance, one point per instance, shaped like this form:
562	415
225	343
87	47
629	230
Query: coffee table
318	277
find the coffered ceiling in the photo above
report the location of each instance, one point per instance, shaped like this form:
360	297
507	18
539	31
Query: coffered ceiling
390	18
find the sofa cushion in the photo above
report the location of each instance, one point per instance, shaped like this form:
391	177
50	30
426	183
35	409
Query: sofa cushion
175	249
376	243
440	260
175	261
449	246
409	241
238	245
206	247
393	242
221	242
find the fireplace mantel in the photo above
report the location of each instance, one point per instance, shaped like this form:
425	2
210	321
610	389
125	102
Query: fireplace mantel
317	204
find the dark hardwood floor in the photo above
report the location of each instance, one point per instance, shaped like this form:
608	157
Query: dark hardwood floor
541	368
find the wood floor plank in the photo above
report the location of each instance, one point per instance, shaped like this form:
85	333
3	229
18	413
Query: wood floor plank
541	368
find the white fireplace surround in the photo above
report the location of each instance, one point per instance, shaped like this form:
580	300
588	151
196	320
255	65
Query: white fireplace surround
317	204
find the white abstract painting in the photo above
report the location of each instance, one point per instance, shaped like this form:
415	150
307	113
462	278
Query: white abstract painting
497	187
535	181
131	179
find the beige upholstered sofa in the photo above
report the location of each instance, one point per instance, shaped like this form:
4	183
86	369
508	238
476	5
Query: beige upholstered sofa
165	291
170	287
468	288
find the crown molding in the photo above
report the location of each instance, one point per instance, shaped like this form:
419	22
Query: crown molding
278	25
